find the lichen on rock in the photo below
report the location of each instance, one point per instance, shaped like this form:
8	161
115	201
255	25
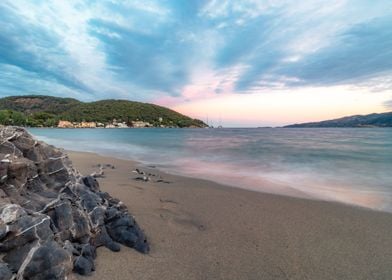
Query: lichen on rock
52	218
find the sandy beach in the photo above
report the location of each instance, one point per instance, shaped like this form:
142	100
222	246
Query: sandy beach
202	230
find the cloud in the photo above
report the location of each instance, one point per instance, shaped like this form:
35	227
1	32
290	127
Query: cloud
17	81
152	61
34	49
314	44
360	53
388	104
191	49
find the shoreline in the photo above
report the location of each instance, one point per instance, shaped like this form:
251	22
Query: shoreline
335	176
283	190
203	230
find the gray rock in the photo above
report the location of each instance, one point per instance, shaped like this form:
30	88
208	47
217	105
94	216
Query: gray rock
10	213
52	218
15	258
47	261
123	229
83	266
5	272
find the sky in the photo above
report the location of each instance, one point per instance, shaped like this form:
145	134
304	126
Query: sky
237	63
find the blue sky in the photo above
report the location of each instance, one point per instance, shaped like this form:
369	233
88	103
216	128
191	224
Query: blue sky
184	53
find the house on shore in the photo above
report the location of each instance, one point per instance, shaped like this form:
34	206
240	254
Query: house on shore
65	124
87	125
139	124
113	124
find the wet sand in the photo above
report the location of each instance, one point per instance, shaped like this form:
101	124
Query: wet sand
202	230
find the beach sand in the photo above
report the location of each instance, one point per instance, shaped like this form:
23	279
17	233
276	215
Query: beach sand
202	230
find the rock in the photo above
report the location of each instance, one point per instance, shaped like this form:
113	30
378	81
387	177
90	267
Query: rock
68	246
63	219
138	171
84	263
10	213
91	183
103	239
16	257
52	218
5	272
144	179
3	231
98	174
27	229
83	266
47	261
80	230
123	229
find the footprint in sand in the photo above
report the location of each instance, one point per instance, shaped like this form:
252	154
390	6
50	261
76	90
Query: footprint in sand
167	201
132	186
178	219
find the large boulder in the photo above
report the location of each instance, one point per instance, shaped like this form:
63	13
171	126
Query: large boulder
52	218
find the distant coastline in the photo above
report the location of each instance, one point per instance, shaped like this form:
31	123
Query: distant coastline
359	121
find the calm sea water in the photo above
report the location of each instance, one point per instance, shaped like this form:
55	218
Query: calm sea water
348	165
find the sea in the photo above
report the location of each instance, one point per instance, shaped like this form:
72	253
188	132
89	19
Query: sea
348	165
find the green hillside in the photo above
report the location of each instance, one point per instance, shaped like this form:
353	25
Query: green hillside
29	104
37	110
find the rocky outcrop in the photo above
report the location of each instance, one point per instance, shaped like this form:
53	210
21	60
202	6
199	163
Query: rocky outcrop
52	218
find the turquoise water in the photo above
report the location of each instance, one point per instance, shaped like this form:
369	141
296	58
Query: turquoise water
348	165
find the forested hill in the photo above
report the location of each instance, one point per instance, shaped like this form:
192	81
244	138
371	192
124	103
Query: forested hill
372	120
47	111
29	104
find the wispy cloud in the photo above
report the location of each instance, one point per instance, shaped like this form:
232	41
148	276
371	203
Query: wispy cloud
185	50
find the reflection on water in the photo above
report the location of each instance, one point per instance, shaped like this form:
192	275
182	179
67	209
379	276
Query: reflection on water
347	165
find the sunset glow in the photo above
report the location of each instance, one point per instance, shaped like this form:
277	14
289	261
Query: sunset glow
285	106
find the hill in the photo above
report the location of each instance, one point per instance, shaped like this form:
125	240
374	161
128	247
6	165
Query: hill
29	104
372	120
47	111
